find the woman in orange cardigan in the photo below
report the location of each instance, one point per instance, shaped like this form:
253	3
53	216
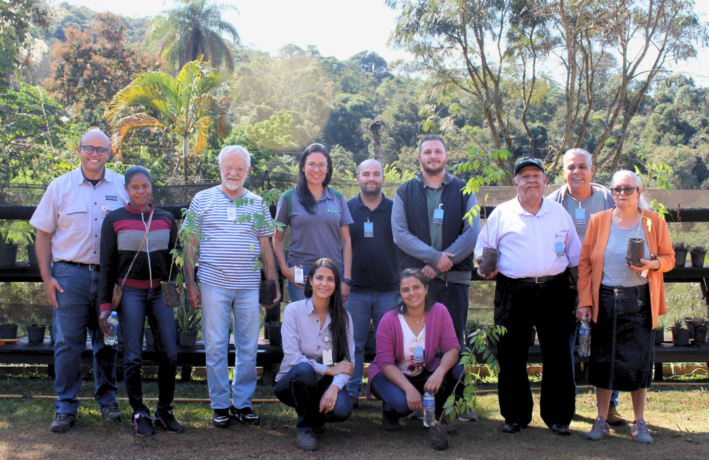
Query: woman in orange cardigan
623	301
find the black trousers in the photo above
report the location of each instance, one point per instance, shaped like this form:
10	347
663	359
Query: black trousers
550	308
455	297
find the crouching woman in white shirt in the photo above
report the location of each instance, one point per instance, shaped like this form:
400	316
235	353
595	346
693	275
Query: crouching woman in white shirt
317	333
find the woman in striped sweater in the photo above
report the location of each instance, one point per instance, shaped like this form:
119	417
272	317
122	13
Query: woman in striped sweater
121	236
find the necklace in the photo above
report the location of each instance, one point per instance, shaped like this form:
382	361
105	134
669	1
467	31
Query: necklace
412	319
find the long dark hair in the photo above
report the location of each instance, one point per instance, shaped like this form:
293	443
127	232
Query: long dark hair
339	320
413	273
306	198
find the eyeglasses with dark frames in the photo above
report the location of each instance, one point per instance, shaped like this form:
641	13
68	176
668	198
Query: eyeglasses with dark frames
90	149
628	190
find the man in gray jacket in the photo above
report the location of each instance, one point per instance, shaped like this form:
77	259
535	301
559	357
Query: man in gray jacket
582	199
429	227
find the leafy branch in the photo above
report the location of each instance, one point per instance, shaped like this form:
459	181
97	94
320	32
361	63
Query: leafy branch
486	173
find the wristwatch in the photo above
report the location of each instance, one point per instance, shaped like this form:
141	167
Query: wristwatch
347	281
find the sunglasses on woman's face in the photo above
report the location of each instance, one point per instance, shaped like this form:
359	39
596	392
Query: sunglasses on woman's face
628	190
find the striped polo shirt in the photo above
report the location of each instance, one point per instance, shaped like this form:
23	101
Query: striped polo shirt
228	249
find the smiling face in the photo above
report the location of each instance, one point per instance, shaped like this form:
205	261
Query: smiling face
316	168
93	163
139	191
578	174
323	283
433	157
234	169
370	178
530	182
623	200
413	293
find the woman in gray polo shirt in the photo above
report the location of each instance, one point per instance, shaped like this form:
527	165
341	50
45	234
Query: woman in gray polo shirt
319	221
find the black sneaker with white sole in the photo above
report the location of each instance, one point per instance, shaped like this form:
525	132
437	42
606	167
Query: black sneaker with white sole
62	422
167	422
143	425
245	415
220	418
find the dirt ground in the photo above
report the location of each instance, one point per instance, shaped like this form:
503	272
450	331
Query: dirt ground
678	435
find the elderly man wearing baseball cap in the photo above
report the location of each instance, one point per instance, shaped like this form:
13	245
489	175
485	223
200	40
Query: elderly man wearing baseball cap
537	244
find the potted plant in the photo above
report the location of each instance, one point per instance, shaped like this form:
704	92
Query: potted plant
680	246
680	334
50	329
186	250
471	326
636	246
660	333
274	333
35	327
190	321
698	253
698	327
31	237
488	261
149	338
8	251
8	330
478	347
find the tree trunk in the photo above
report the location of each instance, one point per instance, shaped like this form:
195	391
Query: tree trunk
185	153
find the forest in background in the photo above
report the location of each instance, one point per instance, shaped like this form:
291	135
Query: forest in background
76	60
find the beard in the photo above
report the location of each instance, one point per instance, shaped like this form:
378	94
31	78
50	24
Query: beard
231	186
433	171
371	191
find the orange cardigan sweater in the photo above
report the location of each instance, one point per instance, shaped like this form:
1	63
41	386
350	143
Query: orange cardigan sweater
591	262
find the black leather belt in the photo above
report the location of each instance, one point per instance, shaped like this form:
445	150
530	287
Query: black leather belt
539	279
91	267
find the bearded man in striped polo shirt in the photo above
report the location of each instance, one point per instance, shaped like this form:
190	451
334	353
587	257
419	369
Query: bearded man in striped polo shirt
228	284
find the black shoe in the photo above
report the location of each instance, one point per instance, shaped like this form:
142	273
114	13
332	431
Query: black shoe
245	415
221	419
307	440
390	423
112	412
62	422
561	430
320	429
512	428
168	423
143	425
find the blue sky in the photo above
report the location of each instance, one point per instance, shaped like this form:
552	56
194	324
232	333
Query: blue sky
337	27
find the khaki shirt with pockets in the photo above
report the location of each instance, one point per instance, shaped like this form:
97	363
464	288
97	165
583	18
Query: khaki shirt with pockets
72	210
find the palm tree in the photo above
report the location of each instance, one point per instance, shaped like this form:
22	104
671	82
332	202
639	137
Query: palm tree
183	105
192	29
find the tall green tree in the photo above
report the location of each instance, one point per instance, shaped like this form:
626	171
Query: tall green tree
194	28
184	105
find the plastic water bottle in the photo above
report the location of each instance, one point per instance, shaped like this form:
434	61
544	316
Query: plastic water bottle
112	338
585	339
429	409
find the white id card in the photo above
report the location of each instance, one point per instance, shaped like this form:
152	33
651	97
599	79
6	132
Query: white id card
580	216
369	229
231	213
299	275
327	357
418	355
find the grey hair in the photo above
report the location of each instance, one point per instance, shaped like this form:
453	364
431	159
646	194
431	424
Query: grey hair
235	148
642	202
574	152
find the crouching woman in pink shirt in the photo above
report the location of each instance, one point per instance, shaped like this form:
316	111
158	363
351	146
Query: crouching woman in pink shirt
318	355
417	352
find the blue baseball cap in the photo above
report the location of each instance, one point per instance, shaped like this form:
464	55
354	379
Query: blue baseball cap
529	162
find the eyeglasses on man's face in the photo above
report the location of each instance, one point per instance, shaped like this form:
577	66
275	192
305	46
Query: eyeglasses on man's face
628	190
90	150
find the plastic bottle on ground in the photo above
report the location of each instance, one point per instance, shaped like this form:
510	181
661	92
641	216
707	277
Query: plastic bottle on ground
429	409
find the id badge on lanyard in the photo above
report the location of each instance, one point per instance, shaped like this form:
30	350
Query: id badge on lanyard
231	213
418	355
299	278
368	229
580	216
438	215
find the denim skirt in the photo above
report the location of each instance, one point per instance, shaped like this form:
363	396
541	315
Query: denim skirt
622	340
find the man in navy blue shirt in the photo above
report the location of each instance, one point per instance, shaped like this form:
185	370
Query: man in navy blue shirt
375	263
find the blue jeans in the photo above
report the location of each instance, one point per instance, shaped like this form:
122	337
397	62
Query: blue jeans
136	304
615	393
294	292
78	310
301	389
393	398
218	304
365	306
